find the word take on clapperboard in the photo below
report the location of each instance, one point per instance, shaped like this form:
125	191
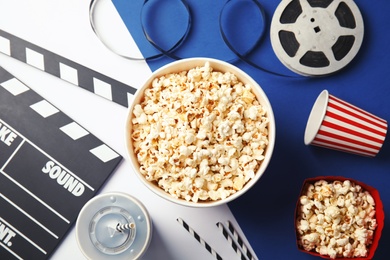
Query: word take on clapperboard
50	166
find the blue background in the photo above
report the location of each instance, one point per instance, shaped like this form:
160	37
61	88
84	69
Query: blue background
266	212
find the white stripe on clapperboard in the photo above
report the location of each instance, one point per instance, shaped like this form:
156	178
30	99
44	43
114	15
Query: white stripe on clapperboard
22	235
35	197
29	216
25	189
12	252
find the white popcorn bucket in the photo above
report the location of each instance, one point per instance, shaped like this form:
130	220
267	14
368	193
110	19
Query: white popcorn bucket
339	125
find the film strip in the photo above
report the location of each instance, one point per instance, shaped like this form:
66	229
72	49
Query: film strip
199	239
65	69
150	43
316	37
94	9
46	159
244	56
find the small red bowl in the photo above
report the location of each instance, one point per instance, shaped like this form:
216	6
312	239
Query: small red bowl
380	215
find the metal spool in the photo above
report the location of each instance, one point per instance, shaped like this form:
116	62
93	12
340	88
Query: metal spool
316	37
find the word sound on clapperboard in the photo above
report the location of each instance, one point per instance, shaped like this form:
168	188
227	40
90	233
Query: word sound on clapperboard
50	166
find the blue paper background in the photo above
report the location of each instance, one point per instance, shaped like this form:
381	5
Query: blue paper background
266	212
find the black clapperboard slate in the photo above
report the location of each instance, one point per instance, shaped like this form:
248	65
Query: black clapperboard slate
50	166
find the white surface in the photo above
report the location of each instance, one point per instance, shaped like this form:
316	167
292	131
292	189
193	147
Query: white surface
63	27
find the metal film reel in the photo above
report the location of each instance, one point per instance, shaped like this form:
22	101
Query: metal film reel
316	37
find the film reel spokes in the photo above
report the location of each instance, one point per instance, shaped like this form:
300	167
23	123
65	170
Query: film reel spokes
316	37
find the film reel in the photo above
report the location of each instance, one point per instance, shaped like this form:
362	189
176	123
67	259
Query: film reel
316	37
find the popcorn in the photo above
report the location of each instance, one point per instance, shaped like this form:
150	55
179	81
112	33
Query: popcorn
200	134
336	219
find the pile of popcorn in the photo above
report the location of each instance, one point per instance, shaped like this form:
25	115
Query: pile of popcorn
336	219
199	134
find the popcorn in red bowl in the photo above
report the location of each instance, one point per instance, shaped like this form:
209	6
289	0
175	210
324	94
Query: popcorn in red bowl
338	218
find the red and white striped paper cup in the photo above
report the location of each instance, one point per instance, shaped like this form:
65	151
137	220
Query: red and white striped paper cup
339	125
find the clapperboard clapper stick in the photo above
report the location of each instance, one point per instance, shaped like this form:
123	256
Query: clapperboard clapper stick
65	69
46	161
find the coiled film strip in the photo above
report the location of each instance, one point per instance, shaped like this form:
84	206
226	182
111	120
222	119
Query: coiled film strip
65	69
316	37
96	5
46	159
158	51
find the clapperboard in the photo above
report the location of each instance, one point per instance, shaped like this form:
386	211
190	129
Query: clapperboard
50	166
65	69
